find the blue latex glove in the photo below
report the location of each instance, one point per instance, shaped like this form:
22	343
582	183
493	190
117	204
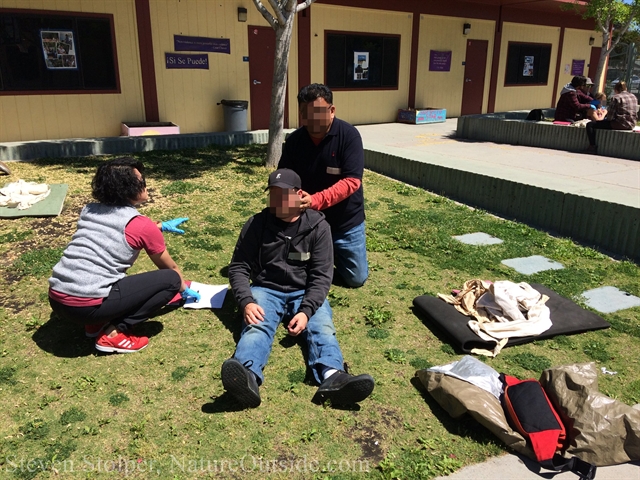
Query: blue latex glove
593	106
188	293
172	225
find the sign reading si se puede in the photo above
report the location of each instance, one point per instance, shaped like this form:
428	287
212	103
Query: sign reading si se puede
185	60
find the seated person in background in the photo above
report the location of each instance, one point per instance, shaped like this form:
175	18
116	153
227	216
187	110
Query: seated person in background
586	92
89	284
622	115
281	272
573	103
598	111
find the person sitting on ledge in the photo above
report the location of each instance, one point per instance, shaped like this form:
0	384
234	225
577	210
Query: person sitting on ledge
622	115
573	103
598	111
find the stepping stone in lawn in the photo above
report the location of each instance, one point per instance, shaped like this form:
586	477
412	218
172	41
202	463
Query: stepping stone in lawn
531	265
610	299
478	238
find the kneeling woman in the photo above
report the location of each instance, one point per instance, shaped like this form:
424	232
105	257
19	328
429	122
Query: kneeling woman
89	284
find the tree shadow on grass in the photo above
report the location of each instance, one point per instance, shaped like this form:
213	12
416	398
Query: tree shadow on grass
171	164
66	339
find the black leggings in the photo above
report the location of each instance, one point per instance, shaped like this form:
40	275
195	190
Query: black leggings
131	300
593	126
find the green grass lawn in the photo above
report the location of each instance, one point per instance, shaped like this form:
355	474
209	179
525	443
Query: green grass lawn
66	412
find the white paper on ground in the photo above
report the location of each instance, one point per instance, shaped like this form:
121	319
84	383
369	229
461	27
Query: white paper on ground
211	296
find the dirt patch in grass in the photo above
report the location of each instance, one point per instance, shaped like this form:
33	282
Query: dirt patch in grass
370	440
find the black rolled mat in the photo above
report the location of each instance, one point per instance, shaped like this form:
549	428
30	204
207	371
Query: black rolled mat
567	318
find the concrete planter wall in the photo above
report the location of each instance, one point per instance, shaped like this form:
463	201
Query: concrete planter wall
81	147
500	128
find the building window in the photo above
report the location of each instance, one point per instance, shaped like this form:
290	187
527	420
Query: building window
361	61
528	64
52	52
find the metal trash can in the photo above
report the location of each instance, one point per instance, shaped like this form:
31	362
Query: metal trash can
235	115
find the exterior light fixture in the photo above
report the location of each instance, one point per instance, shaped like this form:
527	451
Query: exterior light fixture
242	14
465	28
591	40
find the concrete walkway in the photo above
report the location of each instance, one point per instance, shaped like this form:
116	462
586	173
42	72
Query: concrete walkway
602	178
594	177
592	199
514	467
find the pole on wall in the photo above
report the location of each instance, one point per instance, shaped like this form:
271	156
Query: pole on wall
413	66
147	65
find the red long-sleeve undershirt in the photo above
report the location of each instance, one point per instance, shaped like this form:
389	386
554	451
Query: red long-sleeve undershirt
334	194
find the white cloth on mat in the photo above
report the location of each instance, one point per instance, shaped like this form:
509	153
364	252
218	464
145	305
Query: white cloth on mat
23	194
505	302
499	311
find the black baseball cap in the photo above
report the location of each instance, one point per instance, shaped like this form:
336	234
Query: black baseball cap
284	178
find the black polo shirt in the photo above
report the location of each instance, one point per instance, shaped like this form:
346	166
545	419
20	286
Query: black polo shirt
339	155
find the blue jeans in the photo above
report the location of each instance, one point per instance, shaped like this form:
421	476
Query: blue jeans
350	255
255	344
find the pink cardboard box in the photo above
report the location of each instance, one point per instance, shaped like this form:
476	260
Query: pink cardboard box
137	129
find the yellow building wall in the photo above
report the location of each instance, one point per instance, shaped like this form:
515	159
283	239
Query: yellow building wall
444	89
366	106
526	97
188	97
576	47
35	117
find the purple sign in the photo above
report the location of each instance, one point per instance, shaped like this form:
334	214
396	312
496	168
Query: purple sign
439	61
182	43
577	67
185	60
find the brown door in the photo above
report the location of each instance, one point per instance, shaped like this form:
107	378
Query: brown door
262	47
474	72
593	65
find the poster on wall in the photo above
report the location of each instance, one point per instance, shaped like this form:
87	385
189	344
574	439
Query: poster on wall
527	69
360	65
439	61
58	49
577	67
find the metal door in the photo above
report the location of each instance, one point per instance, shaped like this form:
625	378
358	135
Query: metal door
474	75
262	47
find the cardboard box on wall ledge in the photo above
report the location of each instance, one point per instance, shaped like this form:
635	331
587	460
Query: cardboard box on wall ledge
137	129
422	115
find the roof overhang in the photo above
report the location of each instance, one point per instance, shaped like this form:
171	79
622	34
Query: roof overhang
538	5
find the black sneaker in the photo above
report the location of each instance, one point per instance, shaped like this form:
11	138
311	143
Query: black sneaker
342	388
240	382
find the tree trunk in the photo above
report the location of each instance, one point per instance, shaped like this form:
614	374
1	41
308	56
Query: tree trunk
278	92
604	53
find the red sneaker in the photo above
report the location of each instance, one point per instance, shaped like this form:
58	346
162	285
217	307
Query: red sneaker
121	343
92	331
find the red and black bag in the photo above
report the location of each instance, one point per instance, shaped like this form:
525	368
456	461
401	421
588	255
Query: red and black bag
530	412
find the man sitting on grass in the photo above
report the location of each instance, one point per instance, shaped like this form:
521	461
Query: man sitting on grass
281	272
